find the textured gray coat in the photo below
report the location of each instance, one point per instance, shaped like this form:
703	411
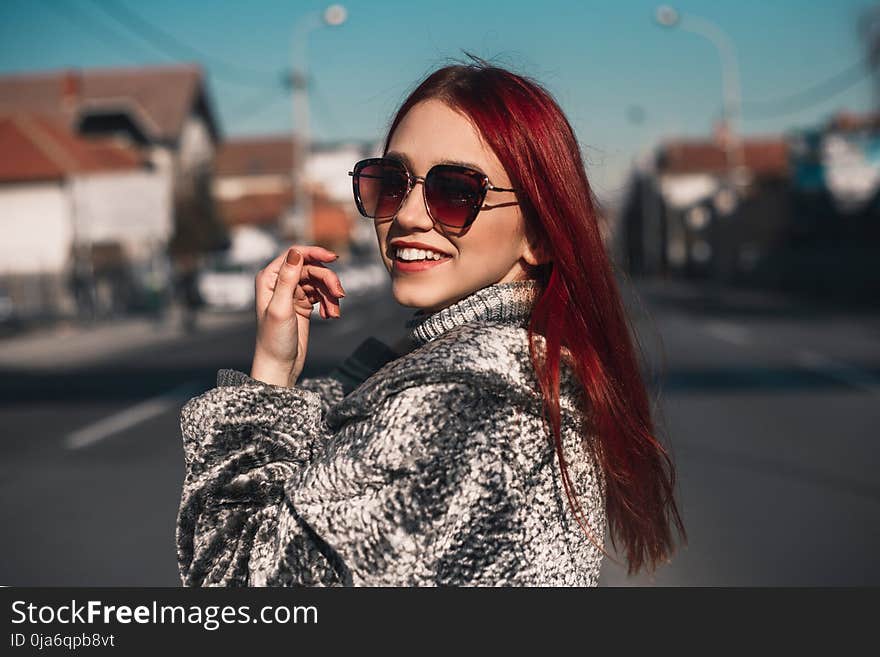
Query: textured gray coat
432	468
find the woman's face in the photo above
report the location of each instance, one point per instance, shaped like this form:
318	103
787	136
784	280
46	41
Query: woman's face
493	249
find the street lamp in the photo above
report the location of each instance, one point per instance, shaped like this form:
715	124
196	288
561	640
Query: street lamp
736	175
667	16
334	15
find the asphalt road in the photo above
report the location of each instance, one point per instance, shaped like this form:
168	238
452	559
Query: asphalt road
771	409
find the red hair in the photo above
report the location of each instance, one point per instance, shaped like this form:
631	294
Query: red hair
579	308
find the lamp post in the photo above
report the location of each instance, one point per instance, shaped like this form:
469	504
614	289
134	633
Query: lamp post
667	16
736	174
300	224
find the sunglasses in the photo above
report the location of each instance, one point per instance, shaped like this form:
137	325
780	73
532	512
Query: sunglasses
453	194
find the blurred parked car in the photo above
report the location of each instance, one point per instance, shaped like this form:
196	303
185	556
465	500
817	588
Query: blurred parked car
228	285
7	309
363	277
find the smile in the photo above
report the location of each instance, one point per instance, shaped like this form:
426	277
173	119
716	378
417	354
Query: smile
406	261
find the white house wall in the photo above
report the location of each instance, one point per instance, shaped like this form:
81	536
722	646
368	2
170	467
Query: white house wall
683	190
132	208
329	170
162	158
35	228
196	146
231	188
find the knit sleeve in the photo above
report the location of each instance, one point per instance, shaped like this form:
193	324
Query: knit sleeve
375	502
329	389
260	431
364	361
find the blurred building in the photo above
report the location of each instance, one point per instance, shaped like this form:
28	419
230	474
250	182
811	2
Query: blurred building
164	118
800	211
73	211
707	207
252	181
838	163
836	191
253	187
338	225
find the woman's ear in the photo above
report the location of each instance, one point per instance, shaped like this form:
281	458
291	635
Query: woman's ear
534	251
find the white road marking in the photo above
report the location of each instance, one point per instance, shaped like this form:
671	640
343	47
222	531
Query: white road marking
728	332
852	376
132	416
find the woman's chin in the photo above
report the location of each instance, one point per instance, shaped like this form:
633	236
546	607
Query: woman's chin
415	295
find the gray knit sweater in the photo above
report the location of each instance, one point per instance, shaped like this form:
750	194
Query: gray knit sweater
431	468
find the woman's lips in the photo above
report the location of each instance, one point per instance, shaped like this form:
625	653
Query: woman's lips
417	265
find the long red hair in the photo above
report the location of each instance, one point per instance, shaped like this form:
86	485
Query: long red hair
579	308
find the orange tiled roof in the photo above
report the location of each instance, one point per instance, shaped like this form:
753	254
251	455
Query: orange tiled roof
255	209
331	223
36	147
850	121
249	156
764	157
160	97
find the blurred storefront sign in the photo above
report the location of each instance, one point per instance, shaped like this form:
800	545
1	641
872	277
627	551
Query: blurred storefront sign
852	169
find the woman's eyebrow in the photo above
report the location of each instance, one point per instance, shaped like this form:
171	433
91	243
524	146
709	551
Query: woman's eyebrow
401	157
461	163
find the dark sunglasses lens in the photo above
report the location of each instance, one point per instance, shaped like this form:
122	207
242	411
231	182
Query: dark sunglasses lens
381	188
453	195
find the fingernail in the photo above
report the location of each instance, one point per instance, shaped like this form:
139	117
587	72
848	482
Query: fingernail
293	257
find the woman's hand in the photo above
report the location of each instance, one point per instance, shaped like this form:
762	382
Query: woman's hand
286	290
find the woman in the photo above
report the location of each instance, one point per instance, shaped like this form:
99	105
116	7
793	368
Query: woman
493	446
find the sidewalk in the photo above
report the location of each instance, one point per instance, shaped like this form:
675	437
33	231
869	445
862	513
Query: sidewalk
72	344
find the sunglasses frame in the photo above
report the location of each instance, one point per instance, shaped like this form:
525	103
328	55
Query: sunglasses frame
411	180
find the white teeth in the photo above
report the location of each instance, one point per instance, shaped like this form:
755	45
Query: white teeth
418	254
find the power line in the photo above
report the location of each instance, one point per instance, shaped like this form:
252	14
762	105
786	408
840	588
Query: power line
88	24
248	109
326	114
167	43
257	104
808	97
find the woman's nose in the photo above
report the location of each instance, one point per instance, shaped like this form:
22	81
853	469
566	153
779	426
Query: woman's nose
413	213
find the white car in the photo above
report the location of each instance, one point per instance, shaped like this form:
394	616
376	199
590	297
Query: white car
225	285
7	308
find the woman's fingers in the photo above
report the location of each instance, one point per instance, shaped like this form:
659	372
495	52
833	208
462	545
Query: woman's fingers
280	306
266	278
327	284
317	292
310	253
329	277
311	294
312	290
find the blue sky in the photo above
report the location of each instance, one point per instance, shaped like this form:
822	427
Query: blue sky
598	59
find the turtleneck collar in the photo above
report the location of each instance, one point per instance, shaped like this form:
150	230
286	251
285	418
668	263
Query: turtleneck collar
500	302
